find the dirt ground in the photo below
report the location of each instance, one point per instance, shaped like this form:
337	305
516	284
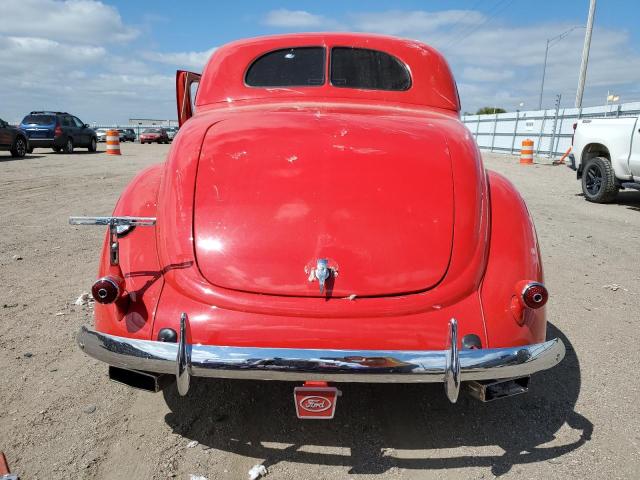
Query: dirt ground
61	418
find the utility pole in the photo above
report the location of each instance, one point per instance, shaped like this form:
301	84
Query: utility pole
585	54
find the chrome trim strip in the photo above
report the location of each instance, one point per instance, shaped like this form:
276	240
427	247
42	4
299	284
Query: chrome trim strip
320	365
452	365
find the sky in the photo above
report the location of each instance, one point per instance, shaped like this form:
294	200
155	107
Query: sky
110	61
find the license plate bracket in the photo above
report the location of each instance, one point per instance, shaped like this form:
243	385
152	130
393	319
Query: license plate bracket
316	401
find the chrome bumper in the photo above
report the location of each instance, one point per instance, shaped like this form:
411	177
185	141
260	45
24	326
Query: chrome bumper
450	366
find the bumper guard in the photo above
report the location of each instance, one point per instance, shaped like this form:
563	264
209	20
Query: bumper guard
451	366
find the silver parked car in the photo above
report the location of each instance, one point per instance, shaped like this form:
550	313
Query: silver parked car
101	134
172	132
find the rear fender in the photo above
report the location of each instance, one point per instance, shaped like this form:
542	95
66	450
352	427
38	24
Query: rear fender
514	256
139	265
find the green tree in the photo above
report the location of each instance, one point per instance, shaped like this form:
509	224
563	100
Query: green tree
490	110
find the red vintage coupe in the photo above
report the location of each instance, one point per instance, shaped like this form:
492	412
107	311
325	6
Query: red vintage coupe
323	217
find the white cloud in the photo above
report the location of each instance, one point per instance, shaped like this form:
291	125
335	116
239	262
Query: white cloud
32	48
65	61
192	60
480	74
81	56
73	21
284	18
496	63
398	22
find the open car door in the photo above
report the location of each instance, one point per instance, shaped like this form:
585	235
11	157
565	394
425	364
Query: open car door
186	88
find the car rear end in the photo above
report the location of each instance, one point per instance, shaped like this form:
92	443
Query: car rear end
101	134
150	136
323	242
130	135
43	130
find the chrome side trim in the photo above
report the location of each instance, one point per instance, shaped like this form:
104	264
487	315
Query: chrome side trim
183	362
452	365
372	366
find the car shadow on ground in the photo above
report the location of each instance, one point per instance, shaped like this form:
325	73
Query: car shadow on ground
629	198
374	420
28	156
79	152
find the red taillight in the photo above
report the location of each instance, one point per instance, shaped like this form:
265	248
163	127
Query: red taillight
534	295
58	131
107	289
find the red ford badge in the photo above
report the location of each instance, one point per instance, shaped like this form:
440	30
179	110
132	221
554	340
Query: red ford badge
316	402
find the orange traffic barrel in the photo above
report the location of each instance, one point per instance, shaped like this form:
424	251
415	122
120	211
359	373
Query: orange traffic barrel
113	142
526	152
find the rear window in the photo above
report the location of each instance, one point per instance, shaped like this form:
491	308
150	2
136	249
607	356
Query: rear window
39	120
368	69
289	67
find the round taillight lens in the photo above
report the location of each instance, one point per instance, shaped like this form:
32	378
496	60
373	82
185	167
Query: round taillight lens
106	289
535	295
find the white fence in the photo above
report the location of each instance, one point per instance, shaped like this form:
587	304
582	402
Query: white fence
550	130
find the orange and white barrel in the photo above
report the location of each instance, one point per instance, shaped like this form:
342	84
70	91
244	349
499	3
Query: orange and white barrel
526	152
113	142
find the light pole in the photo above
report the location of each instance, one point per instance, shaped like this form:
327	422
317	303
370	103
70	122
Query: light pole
550	42
585	53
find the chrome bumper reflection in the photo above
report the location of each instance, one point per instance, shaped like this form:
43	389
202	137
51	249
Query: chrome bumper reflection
450	366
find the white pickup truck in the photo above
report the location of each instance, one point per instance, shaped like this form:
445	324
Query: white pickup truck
606	156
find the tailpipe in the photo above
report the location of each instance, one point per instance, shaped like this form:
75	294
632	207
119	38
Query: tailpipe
490	390
147	381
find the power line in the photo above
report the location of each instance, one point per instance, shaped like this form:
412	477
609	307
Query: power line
459	26
499	9
468	28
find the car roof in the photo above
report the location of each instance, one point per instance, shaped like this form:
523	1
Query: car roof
45	112
432	84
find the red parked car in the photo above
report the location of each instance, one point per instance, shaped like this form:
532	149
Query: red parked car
323	217
154	135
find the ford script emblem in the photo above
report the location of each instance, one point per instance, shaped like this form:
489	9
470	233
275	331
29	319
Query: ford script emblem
315	404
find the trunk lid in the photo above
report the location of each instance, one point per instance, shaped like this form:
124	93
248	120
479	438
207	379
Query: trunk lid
276	191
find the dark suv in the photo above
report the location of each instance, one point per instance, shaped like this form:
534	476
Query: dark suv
59	131
127	135
13	139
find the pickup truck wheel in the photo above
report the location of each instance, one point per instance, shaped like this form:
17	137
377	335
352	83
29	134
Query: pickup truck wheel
599	181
